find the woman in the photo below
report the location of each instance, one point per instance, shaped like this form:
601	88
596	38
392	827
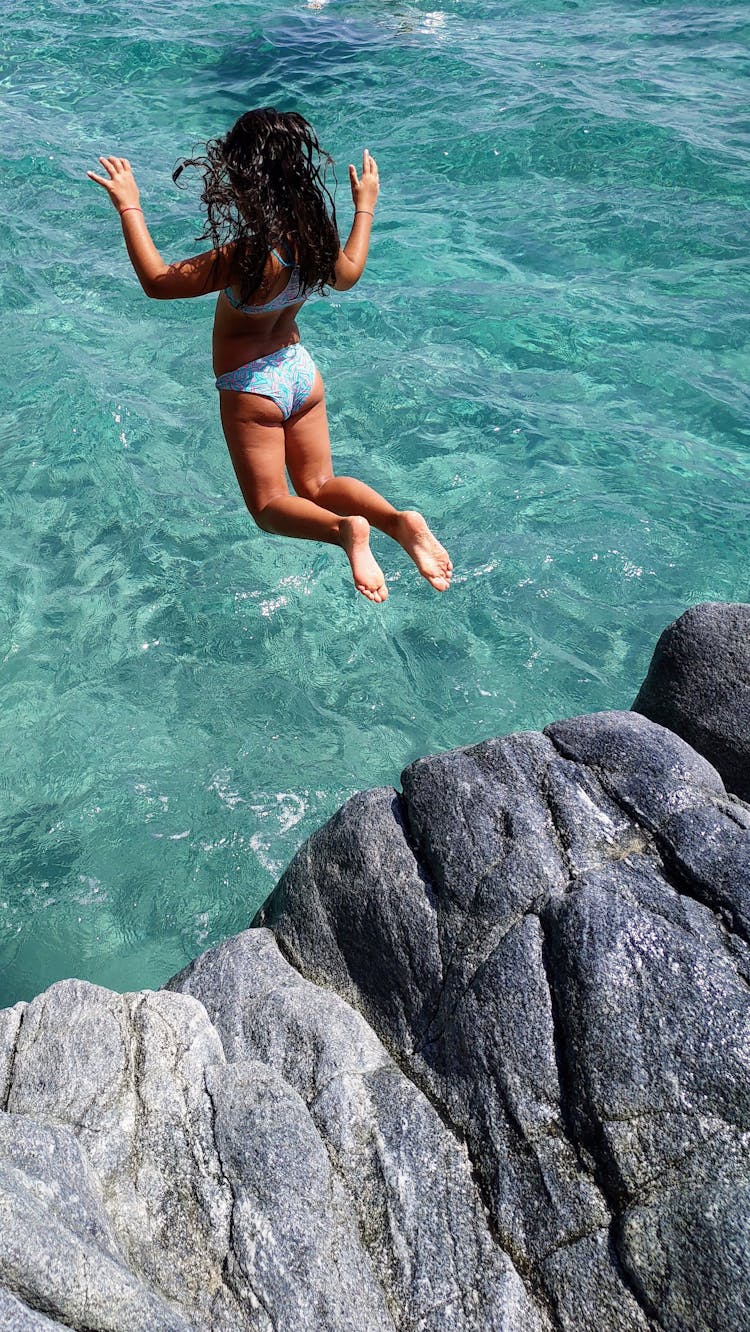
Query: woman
275	242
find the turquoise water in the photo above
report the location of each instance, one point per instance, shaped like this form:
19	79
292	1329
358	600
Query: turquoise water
548	354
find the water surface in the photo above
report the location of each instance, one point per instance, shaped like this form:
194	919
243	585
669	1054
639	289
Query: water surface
548	354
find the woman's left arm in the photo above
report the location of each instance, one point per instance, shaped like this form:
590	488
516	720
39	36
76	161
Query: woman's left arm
197	276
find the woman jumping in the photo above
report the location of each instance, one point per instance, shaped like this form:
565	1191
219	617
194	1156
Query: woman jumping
273	227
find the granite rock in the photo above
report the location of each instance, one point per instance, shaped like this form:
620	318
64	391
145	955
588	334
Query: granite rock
264	1167
567	980
698	685
408	1179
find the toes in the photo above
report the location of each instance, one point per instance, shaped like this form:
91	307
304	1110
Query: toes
440	581
376	594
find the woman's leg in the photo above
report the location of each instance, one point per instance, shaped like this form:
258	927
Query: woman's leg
308	458
254	431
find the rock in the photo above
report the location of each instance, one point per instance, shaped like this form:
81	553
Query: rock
698	685
294	1249
17	1317
566	977
58	1251
148	1186
408	1180
272	1169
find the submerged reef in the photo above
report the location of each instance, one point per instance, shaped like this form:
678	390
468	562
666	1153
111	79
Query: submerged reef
481	1062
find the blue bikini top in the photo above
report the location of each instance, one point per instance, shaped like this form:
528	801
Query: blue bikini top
292	294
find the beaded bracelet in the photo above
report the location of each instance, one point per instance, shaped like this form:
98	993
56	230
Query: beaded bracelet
363	210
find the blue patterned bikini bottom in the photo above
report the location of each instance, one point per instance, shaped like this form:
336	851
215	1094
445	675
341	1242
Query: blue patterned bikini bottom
286	377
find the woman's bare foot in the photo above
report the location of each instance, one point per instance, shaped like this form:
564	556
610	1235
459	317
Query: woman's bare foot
368	576
432	560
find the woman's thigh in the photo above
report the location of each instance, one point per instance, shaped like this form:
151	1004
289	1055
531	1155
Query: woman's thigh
308	444
254	430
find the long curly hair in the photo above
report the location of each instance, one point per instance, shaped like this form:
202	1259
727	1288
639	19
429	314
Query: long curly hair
264	187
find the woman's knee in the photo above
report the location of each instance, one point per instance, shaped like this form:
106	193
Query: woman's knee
263	516
262	510
309	487
260	518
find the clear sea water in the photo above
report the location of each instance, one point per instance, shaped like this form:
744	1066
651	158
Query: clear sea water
548	354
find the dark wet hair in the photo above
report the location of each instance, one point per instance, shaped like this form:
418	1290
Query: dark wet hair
264	188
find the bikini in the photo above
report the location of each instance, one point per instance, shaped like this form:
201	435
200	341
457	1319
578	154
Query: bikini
287	375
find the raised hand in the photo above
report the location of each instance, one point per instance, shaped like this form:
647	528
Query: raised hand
120	184
365	187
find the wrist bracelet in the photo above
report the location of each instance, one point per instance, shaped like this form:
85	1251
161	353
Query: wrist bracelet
363	210
131	208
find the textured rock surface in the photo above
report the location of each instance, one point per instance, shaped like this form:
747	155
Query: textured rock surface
548	933
408	1180
698	684
272	1169
487	1071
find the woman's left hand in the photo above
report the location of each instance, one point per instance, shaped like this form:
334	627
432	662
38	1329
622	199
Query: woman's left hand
365	187
120	186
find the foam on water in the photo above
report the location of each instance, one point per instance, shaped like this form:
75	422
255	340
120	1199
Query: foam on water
549	354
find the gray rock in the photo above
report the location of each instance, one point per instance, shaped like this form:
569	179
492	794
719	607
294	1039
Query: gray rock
146	1186
294	1250
685	1240
59	1254
373	882
675	798
126	1074
580	1011
698	685
10	1025
407	1179
150	1184
18	1317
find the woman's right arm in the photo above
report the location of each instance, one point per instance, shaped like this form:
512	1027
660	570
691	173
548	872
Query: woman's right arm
197	276
353	257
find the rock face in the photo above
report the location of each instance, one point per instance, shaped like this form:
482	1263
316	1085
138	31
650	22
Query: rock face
483	1065
698	685
265	1167
549	933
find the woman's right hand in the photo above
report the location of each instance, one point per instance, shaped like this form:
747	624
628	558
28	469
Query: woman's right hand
365	187
120	184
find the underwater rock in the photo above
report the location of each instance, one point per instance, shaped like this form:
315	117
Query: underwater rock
481	1065
698	684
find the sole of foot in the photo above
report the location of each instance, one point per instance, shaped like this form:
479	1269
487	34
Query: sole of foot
432	559
367	573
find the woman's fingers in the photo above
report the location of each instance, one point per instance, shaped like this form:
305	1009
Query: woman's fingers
99	179
353	174
115	165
